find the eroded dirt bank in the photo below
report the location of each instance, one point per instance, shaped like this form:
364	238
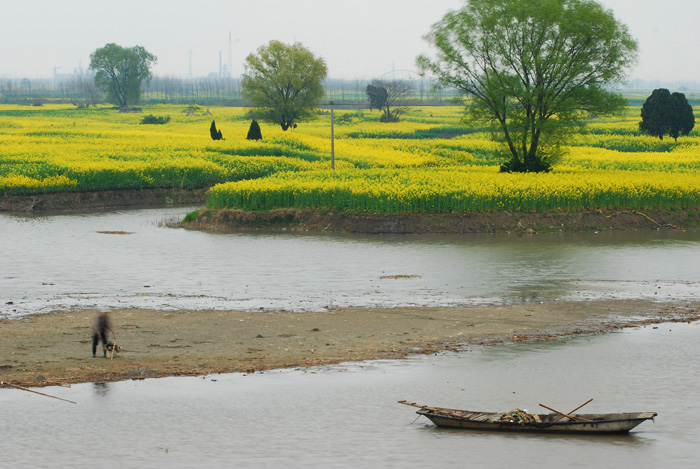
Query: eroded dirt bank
70	201
486	222
316	220
56	348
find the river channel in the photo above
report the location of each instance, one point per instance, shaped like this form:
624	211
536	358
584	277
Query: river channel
131	259
346	415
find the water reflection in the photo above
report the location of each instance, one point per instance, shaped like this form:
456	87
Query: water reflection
633	440
101	389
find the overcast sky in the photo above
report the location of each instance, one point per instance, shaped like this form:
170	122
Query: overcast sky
357	38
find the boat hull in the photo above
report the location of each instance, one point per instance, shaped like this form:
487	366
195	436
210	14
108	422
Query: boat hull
597	424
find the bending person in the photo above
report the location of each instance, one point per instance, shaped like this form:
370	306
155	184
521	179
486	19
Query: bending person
103	324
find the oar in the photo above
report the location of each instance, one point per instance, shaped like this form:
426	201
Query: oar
567	415
577	408
36	392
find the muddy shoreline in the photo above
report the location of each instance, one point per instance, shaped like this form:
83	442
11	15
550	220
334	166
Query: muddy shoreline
440	223
51	349
75	201
348	222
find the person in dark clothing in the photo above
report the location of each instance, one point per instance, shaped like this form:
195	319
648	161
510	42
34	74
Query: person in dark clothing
103	324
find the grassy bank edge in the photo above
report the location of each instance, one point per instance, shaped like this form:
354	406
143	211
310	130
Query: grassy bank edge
353	222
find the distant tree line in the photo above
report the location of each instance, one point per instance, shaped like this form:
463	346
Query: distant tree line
80	89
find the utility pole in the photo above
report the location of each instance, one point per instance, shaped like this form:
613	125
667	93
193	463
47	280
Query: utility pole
332	149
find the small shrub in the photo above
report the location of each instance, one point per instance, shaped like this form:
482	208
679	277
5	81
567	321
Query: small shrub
215	134
151	119
254	132
190	217
534	165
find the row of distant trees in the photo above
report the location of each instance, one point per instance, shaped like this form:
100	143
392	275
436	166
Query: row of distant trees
213	90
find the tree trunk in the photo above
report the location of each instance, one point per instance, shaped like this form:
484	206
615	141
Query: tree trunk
532	154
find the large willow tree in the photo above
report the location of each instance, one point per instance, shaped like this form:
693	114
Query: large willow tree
120	71
533	68
285	82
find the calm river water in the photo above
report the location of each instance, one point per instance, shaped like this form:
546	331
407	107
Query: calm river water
63	261
347	416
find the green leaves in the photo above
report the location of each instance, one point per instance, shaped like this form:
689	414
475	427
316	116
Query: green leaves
534	68
664	113
285	82
120	72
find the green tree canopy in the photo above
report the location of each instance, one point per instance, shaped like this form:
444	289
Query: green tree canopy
285	82
532	67
664	113
377	95
120	71
390	97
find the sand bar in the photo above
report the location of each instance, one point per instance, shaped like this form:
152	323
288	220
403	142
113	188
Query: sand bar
55	348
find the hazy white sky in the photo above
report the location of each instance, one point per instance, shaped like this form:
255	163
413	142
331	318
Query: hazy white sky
357	38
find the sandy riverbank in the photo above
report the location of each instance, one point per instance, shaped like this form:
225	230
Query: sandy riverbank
55	348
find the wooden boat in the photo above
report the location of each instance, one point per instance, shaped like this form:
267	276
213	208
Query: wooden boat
519	421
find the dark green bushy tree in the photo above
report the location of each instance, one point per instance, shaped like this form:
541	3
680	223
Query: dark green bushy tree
683	120
377	95
254	132
533	68
654	113
664	113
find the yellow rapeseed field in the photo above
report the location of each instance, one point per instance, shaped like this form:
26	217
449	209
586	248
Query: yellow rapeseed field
428	162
